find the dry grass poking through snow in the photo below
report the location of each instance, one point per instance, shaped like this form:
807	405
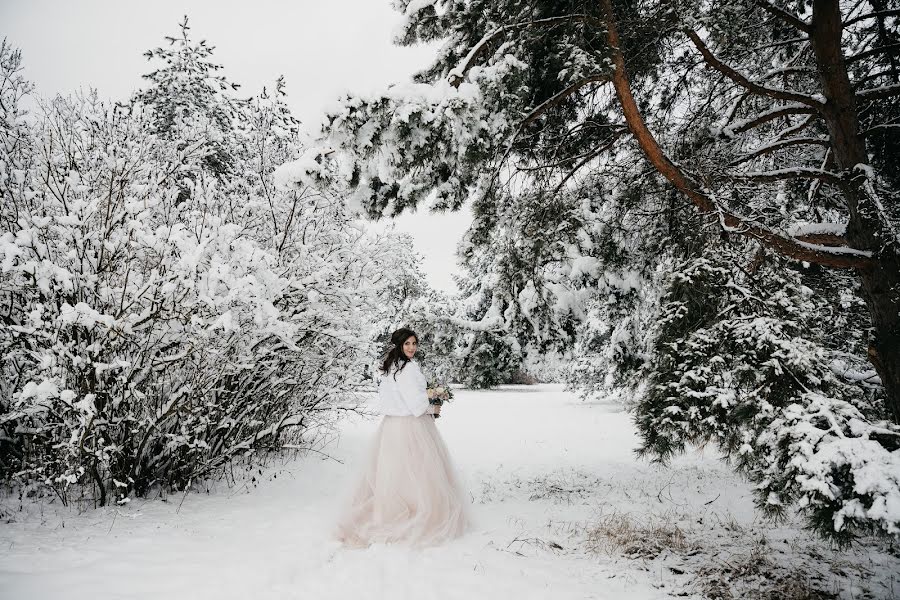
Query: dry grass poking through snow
650	521
765	579
747	566
625	534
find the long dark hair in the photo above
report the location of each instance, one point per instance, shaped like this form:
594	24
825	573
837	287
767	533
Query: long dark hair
395	355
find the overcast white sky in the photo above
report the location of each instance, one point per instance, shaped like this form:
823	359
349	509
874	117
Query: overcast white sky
322	47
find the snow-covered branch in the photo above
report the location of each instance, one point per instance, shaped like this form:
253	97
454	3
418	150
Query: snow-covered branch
885	49
785	16
878	128
834	257
788	174
878	14
779	145
562	95
458	73
766	116
879	93
743	81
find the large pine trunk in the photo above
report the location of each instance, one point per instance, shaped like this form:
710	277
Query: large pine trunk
867	228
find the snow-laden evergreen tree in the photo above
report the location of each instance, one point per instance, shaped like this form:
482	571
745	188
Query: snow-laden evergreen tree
161	316
677	124
742	359
186	92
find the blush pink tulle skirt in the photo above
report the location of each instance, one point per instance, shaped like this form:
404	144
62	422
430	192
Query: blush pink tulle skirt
408	491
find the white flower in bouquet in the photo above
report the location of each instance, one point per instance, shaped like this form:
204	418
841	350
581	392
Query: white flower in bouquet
438	393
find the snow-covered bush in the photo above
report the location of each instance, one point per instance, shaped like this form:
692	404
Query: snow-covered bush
740	360
162	314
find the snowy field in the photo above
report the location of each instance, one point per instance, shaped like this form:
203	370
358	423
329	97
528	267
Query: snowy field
563	510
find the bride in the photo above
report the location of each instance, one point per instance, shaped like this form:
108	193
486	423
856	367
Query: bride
408	491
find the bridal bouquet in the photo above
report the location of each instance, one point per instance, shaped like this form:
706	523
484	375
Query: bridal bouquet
438	393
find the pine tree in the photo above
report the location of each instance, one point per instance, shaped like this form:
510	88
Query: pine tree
693	132
192	103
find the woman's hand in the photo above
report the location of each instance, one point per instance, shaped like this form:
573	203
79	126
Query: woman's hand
435	409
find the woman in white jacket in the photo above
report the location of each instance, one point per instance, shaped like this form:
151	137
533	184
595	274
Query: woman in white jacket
408	491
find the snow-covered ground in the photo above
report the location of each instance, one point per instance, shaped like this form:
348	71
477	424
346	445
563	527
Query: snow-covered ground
563	510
